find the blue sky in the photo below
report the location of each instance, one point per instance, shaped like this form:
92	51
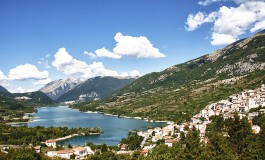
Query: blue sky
41	41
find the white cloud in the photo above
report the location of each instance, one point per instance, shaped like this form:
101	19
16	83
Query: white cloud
2	76
194	21
90	54
231	22
44	62
17	90
65	63
208	2
27	71
139	47
135	73
222	39
243	1
102	52
21	90
42	82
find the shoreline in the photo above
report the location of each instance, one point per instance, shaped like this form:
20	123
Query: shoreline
73	135
138	118
66	137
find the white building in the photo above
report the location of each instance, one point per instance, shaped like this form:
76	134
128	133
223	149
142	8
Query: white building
51	143
65	153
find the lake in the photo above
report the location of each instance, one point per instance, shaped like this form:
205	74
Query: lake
114	128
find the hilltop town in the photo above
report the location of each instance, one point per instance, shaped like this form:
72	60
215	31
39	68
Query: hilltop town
241	104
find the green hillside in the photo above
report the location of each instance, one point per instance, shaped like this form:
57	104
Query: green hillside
38	98
184	89
14	105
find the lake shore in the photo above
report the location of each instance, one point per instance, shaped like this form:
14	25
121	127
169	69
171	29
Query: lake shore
139	118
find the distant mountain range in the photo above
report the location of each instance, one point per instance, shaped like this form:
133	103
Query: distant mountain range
84	90
183	90
59	87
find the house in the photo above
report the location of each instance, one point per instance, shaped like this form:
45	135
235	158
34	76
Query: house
81	152
255	129
37	149
250	92
169	142
156	138
5	148
51	143
252	115
251	103
149	147
144	152
65	153
124	147
262	111
51	153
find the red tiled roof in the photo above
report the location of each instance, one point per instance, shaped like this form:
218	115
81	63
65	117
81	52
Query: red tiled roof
143	151
37	147
50	141
170	141
65	151
79	149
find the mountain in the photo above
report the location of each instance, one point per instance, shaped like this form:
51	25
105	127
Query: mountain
3	89
59	87
94	88
182	90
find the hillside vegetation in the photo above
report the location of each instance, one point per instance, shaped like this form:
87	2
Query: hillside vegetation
14	105
183	90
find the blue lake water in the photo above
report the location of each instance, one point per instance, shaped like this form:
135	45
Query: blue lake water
114	128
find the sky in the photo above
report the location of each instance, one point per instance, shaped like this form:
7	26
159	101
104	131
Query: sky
46	40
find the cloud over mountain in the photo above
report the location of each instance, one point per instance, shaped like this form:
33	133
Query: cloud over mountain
65	63
138	47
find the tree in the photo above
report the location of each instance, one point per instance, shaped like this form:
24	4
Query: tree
218	147
103	148
23	154
261	120
239	131
192	144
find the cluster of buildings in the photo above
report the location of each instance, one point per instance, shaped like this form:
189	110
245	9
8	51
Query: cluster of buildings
241	104
76	153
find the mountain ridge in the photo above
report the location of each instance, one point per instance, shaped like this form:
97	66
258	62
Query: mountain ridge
58	87
94	88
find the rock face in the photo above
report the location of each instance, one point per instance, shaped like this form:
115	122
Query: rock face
59	87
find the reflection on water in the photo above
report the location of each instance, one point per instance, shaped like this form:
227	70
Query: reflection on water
114	128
